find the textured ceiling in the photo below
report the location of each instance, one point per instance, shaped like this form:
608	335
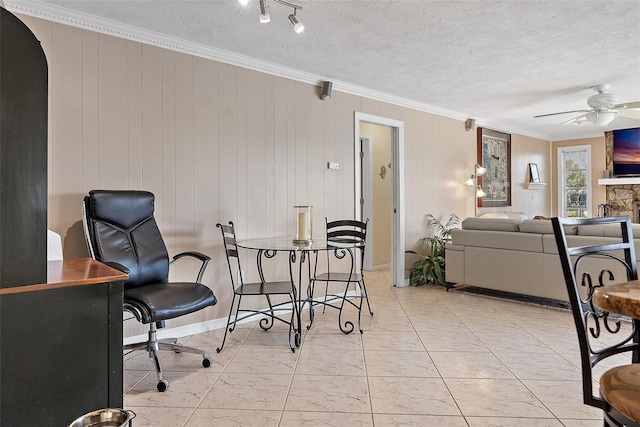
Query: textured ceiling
501	62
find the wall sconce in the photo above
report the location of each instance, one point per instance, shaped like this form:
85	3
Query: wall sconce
473	182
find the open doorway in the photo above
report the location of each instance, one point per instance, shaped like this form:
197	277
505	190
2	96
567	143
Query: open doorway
370	184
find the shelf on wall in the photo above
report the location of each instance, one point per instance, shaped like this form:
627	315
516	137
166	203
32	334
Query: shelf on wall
619	181
535	185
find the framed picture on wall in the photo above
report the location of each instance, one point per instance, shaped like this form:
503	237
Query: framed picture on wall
534	176
494	153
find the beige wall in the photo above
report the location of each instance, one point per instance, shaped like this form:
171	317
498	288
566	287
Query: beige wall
216	142
598	165
380	139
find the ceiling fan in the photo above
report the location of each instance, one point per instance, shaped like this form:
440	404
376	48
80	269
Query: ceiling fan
603	109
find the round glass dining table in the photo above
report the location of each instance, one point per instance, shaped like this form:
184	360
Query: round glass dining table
299	254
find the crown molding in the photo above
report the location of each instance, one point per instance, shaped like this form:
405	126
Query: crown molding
84	21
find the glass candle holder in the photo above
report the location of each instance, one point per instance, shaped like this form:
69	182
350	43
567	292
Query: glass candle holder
304	224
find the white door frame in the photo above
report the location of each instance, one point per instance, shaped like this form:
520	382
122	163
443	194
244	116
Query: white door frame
397	173
367	188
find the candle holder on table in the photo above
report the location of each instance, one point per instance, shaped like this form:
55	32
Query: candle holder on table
304	224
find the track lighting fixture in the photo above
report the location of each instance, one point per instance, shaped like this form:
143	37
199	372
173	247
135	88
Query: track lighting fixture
264	13
297	25
266	18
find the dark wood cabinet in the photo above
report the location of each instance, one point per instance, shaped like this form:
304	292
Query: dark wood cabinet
61	345
23	155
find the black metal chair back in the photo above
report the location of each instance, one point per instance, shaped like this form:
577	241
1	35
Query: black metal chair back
349	238
231	251
261	288
586	265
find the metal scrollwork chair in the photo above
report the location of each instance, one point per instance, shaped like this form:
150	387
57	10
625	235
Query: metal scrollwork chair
587	266
348	237
264	288
121	231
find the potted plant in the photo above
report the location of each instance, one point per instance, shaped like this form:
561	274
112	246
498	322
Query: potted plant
430	268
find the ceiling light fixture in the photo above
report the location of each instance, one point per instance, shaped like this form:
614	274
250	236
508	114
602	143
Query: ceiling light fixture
297	25
264	14
601	117
243	2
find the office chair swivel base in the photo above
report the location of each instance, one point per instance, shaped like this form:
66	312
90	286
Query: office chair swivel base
153	345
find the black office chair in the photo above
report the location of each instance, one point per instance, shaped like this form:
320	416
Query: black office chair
267	289
121	231
586	266
343	234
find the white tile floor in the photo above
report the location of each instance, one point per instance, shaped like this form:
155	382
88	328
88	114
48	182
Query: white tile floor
427	358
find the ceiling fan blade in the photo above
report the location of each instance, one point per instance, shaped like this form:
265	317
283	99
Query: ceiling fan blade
575	119
563	112
628	105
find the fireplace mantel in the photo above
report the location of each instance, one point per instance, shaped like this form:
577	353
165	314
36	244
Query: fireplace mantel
619	181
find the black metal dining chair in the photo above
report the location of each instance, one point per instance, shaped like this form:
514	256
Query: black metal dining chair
261	288
586	266
349	239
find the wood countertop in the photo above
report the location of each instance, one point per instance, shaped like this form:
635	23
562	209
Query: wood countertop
71	272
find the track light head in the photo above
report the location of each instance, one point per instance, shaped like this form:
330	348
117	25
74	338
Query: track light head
264	13
297	25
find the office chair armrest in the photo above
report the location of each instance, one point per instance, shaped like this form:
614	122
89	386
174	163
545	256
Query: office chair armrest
198	255
117	266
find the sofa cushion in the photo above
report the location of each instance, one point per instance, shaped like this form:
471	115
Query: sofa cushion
510	215
492	224
543	227
611	230
527	242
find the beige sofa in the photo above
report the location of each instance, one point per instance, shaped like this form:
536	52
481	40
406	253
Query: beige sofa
518	256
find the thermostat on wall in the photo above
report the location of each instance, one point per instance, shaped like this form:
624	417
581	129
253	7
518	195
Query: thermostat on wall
333	165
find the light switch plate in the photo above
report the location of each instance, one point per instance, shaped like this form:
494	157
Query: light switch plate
333	165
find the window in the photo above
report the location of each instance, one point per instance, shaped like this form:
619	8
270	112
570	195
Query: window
574	181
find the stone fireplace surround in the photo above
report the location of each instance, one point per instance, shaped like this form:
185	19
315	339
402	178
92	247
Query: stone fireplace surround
623	198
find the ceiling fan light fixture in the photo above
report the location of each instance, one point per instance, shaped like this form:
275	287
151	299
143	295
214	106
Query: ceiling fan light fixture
602	117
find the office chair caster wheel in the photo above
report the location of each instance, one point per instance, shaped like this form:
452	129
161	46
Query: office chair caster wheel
207	361
163	385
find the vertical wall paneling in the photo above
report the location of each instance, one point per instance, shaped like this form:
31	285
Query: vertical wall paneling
328	144
134	111
316	165
152	128
184	159
90	112
113	144
241	149
166	199
270	214
205	160
66	87
258	170
281	153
